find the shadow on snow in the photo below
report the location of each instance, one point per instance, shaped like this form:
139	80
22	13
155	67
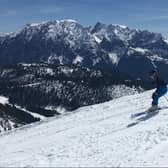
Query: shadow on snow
143	118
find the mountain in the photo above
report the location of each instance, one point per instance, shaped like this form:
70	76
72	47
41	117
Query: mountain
12	116
34	92
49	68
101	135
132	51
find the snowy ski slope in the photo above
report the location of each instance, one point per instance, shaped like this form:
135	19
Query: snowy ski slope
99	135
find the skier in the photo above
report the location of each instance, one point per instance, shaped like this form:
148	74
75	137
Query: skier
161	89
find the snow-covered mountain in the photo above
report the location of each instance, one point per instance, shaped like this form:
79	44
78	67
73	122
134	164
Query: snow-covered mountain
101	135
13	116
35	86
132	51
37	91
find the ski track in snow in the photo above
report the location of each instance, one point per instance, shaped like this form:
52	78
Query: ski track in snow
92	136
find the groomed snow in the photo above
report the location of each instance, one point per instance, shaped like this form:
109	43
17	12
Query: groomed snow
100	135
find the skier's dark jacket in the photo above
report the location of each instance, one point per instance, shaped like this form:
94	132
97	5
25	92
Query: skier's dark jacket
161	90
159	82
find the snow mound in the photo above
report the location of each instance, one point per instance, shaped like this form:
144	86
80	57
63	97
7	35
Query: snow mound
101	135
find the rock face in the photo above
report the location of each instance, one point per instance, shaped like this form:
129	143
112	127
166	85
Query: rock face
131	51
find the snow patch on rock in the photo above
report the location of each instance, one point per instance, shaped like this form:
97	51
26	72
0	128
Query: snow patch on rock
114	58
78	59
4	100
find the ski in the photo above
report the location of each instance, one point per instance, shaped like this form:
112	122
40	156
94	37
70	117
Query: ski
142	116
144	113
138	114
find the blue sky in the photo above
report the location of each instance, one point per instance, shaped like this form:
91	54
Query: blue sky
143	14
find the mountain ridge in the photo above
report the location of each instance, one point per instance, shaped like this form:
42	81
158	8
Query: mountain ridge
38	91
99	46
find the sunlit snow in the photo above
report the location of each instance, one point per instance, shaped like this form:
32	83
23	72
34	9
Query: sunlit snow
101	135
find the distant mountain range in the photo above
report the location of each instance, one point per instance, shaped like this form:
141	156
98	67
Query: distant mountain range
134	52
